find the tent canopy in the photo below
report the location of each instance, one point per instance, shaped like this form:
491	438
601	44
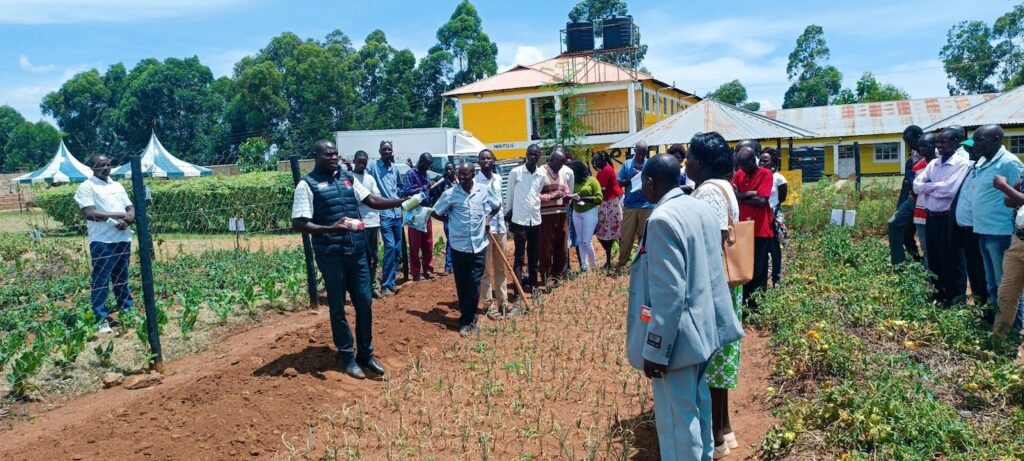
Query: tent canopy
62	168
159	163
733	123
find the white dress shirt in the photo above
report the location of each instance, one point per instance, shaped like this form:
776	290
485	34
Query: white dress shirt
107	196
524	195
498	223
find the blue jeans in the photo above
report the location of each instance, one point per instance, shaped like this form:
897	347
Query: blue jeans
349	274
993	247
110	263
391	235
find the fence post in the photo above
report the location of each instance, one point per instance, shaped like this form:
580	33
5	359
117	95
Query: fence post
146	262
307	245
856	163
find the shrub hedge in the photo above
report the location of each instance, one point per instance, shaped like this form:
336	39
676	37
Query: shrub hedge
199	205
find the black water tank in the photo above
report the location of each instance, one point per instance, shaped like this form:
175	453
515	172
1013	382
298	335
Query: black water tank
618	32
579	36
810	161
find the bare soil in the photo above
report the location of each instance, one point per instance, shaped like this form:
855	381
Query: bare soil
551	385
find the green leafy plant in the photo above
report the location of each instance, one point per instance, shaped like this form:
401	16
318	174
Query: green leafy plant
271	292
26	366
190	304
222	304
105	354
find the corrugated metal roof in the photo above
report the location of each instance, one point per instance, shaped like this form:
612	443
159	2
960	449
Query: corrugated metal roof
1005	109
583	70
875	117
731	122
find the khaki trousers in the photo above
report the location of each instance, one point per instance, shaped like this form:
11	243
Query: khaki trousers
1010	287
495	268
634	221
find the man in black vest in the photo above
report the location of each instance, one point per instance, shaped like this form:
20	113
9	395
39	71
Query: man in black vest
326	206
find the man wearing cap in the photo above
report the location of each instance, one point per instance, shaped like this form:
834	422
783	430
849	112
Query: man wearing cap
993	220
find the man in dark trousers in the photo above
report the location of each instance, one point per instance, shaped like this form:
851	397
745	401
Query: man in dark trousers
522	212
936	186
326	206
468	208
753	190
901	224
963	235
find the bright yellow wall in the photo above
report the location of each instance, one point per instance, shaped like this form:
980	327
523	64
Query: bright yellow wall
496	121
615	99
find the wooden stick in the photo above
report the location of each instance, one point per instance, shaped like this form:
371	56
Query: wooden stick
508	267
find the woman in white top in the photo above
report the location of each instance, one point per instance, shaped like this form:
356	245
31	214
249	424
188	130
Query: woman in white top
709	164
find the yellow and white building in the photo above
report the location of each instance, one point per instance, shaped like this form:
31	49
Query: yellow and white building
515	108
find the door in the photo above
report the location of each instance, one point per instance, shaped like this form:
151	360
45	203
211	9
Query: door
844	161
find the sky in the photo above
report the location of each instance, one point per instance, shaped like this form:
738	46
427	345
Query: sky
695	45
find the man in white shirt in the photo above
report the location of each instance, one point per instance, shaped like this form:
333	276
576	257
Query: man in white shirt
371	218
522	211
108	213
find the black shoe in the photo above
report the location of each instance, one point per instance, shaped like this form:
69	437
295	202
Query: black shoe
373	366
354	371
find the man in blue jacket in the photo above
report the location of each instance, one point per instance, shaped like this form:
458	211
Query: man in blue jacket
680	310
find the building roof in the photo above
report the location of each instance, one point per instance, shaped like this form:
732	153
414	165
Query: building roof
708	115
583	70
1005	109
874	118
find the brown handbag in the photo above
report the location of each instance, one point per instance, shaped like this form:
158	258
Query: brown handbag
738	248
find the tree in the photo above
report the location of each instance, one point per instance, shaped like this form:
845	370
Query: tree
77	106
869	89
463	37
969	58
734	93
30	145
258	103
1009	32
814	82
254	155
9	120
597	11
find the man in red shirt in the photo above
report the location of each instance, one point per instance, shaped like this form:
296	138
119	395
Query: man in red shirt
753	188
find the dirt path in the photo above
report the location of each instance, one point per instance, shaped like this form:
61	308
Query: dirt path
232	402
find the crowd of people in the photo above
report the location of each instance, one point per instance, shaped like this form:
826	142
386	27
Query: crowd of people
961	196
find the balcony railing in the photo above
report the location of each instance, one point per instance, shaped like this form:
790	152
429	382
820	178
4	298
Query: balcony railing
610	121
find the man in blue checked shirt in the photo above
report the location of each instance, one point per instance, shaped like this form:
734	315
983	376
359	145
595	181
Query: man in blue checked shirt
421	244
468	208
385	172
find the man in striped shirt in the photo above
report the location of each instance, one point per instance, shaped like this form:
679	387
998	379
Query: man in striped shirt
554	196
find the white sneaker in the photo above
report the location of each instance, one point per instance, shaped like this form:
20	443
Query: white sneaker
730	439
105	328
721	451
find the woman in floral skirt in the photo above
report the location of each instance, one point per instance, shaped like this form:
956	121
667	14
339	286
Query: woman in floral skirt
709	164
609	214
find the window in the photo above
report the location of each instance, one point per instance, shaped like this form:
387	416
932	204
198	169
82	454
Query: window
647	102
542	118
1015	144
664	105
846	151
580	106
887	152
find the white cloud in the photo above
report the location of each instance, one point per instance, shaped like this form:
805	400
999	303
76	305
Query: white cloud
514	54
72	11
26	99
27	65
526	55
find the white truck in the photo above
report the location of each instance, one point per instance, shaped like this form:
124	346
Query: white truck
446	145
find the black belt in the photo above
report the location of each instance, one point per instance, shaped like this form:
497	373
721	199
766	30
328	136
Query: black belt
938	214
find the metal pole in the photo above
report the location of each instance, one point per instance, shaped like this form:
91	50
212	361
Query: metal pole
307	245
856	163
146	263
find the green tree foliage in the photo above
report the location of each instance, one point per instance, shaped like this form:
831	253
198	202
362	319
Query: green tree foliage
9	120
815	83
598	10
463	37
76	107
869	89
979	58
734	93
254	155
30	145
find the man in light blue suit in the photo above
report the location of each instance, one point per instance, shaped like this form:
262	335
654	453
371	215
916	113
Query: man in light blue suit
680	310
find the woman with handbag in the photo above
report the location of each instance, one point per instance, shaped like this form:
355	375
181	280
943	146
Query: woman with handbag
709	164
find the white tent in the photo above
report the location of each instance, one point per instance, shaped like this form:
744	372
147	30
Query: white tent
62	168
159	163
